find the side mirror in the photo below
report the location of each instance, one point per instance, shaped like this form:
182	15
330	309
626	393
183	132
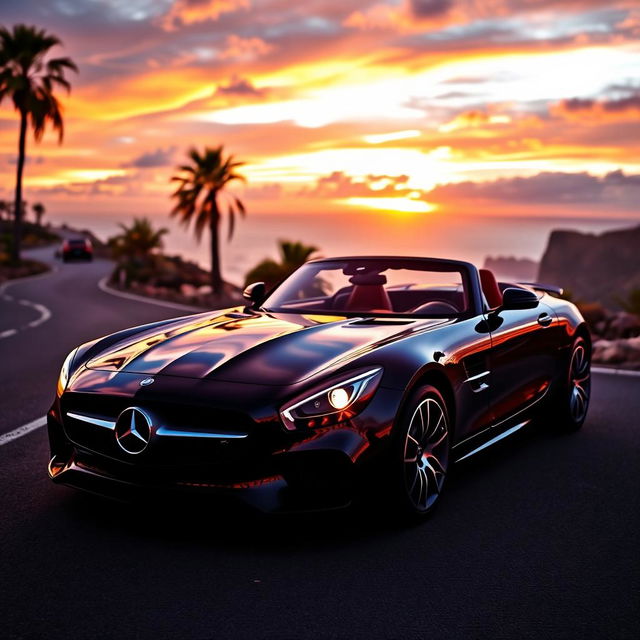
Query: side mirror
254	294
513	298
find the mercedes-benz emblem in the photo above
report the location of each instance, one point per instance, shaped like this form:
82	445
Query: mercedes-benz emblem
146	382
133	430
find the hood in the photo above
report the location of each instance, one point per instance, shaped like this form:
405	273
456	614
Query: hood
274	349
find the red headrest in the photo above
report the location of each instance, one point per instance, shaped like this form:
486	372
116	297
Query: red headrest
490	288
369	297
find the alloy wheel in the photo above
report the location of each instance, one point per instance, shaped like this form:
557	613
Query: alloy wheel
579	383
426	454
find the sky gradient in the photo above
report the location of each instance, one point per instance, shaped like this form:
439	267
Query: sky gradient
525	107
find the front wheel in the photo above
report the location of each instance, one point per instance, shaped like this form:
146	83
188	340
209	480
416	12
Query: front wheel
421	449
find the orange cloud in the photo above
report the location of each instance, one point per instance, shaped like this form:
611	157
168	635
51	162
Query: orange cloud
245	48
474	119
186	12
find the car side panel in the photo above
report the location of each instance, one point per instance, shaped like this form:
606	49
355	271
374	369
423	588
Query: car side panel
523	357
457	351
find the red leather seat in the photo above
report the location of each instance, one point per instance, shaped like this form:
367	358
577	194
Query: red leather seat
490	288
368	297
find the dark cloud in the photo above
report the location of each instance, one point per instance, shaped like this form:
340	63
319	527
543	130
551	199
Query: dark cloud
430	8
13	160
620	105
158	158
239	87
614	189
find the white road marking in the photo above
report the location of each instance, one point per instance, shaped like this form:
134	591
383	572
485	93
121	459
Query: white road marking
23	430
103	286
45	313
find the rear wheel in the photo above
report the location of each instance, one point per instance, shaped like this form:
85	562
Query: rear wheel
572	400
421	451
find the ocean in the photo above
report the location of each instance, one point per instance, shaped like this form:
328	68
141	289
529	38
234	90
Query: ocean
464	237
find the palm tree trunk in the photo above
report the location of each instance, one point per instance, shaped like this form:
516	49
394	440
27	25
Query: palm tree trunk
216	277
17	222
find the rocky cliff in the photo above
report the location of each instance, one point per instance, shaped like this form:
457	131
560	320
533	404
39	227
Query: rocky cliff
511	268
595	268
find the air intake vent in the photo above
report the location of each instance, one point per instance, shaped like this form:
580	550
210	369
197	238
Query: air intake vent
372	322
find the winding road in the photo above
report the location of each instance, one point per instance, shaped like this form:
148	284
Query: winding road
536	538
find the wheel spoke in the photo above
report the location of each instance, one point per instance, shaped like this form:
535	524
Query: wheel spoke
411	443
415	479
440	440
435	464
434	478
424	488
423	424
433	431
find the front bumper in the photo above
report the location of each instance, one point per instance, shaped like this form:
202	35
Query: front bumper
271	472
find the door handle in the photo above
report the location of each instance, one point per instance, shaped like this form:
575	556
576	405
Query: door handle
544	319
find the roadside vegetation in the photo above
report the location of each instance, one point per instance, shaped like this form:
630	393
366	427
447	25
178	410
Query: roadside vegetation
271	272
34	236
142	267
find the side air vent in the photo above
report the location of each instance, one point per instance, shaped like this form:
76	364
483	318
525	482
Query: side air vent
477	371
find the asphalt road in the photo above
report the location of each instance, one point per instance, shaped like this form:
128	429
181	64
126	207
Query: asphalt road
537	538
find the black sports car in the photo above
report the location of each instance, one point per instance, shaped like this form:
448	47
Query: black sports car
355	376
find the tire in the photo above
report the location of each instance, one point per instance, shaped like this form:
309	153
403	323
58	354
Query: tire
571	404
420	454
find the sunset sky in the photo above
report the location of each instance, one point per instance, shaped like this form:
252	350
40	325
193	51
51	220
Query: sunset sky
505	106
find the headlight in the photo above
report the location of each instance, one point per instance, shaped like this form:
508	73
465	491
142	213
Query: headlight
334	402
63	378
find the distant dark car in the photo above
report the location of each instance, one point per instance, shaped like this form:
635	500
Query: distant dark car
359	377
77	249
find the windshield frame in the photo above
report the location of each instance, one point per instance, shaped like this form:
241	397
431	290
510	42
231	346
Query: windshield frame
467	271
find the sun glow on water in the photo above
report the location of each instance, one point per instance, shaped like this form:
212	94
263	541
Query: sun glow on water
400	205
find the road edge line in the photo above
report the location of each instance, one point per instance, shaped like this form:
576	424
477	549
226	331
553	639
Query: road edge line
103	286
616	371
25	429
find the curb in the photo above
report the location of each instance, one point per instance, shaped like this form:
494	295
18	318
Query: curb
8	283
616	372
103	286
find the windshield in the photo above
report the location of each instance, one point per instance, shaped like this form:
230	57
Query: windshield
388	286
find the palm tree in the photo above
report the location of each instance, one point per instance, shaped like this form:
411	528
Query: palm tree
39	211
295	254
28	78
292	256
200	184
137	241
5	209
